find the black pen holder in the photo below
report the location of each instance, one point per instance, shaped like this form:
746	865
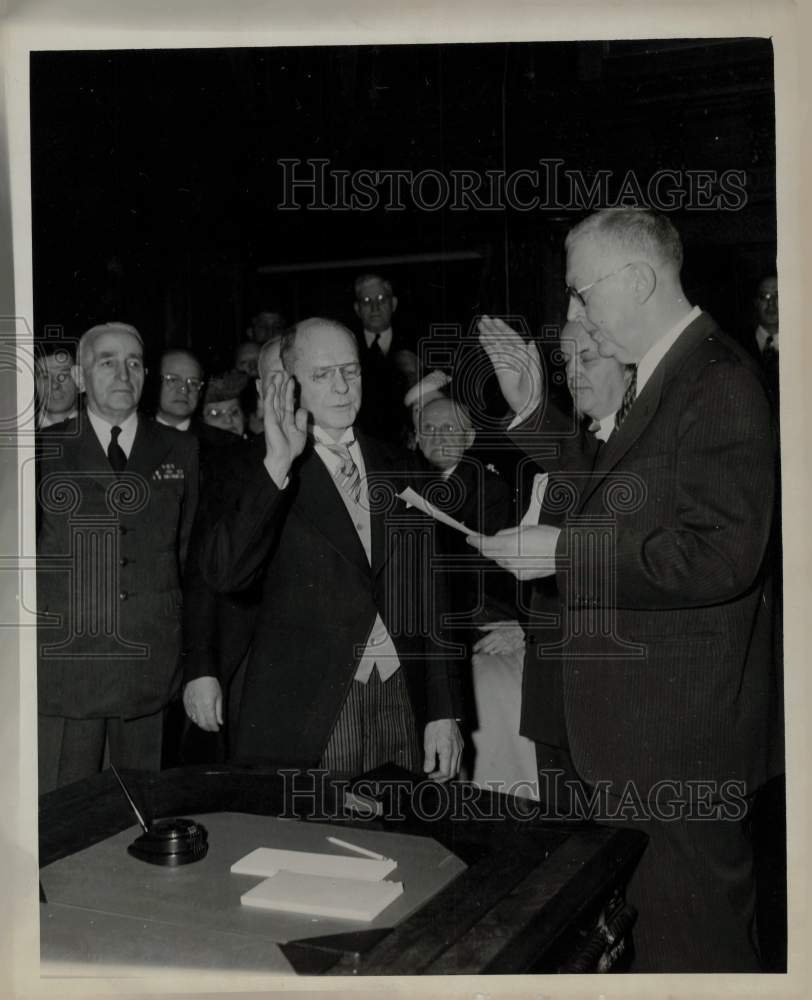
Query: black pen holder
171	842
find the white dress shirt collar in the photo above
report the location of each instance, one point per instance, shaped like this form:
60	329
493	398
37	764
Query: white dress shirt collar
46	420
658	351
384	339
763	336
604	427
184	425
103	428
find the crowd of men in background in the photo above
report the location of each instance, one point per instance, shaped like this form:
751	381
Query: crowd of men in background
237	576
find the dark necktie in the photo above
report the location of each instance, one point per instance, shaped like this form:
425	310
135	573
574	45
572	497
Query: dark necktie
628	399
115	453
375	346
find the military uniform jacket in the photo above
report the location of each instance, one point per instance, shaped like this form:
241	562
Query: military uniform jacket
110	551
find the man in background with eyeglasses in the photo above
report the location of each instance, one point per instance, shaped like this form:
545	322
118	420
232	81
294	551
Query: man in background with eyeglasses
181	378
344	670
179	395
388	360
483	597
56	390
181	388
117	495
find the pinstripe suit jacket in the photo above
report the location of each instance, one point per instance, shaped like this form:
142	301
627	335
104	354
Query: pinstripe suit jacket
664	579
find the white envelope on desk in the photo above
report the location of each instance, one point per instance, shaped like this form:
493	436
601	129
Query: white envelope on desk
266	861
344	898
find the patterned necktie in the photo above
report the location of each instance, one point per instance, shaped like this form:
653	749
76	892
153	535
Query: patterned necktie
628	398
347	476
116	455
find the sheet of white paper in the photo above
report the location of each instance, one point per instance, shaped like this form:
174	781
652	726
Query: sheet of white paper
344	898
265	861
414	499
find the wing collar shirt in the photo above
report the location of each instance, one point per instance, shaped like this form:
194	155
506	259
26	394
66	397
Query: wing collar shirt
102	429
379	650
384	339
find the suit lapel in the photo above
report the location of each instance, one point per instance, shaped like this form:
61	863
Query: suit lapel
378	463
148	448
646	405
90	456
318	501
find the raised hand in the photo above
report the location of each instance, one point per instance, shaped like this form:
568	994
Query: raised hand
517	364
285	426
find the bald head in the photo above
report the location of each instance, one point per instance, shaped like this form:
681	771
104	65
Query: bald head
322	355
314	329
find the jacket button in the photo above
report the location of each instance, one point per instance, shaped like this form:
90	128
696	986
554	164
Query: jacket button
123	595
122	529
123	561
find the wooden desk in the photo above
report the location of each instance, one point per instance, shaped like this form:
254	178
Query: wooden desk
530	899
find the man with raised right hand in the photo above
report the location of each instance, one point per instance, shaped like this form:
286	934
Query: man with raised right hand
343	672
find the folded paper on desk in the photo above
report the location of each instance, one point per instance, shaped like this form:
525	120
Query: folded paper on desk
265	861
342	898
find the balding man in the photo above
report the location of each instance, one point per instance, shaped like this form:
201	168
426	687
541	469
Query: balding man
117	497
664	584
338	675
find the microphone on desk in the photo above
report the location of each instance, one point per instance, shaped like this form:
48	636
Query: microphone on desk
168	842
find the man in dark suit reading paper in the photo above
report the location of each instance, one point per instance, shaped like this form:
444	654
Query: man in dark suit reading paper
664	584
343	672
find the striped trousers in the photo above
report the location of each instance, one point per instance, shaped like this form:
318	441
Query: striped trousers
376	726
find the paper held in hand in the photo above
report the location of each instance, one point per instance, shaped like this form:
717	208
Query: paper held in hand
413	499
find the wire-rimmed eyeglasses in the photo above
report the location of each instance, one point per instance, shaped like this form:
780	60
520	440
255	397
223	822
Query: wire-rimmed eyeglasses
176	381
578	293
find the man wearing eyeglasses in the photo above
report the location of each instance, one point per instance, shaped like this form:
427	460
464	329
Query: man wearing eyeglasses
344	671
388	360
665	585
117	495
56	390
181	378
181	388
